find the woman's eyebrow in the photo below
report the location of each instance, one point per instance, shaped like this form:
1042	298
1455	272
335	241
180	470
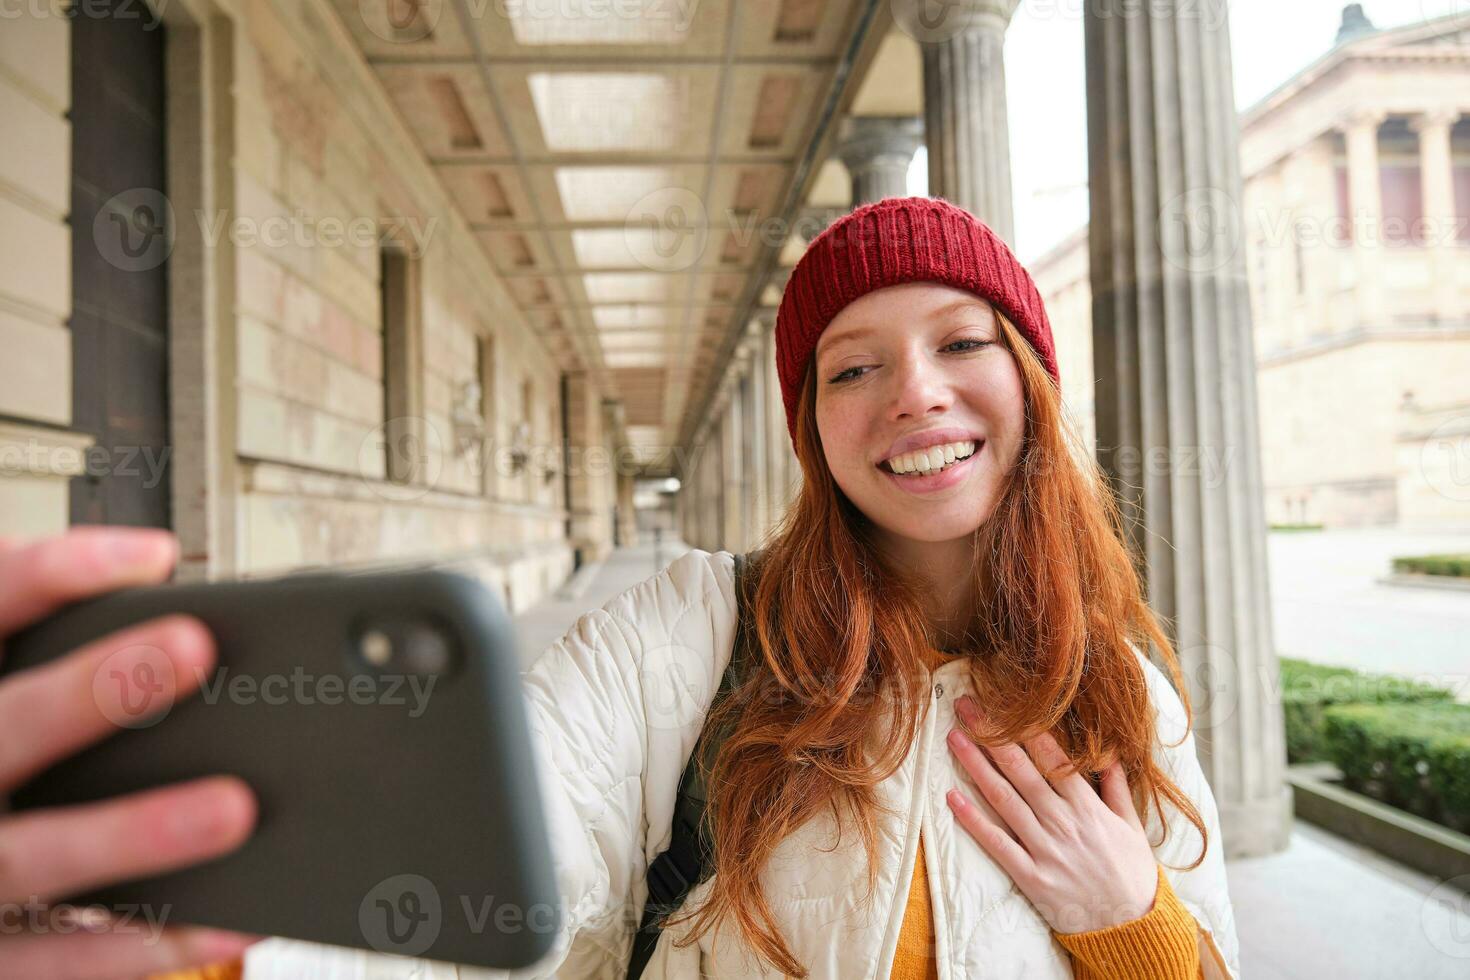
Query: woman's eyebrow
964	306
857	333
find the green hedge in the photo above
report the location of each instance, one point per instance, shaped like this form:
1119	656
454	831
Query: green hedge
1412	756
1455	566
1307	689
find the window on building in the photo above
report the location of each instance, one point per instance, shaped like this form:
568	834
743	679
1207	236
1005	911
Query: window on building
406	452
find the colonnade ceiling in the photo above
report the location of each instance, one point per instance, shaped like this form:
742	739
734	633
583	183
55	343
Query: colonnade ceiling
632	168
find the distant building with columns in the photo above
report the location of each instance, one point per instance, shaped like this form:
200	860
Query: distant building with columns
1357	240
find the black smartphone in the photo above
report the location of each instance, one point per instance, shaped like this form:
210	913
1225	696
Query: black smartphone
379	719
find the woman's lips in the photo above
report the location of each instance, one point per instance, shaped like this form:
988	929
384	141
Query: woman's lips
934	482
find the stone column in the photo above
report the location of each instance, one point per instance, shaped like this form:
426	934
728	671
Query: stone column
965	124
749	440
733	480
1365	209
1438	180
877	151
1176	402
780	457
759	431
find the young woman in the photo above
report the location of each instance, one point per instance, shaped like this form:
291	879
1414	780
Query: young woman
950	755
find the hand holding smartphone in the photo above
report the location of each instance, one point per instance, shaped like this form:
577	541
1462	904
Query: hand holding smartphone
46	715
376	718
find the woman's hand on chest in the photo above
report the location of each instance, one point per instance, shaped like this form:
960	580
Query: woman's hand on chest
1079	854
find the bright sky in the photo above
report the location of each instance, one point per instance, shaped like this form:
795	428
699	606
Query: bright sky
1046	90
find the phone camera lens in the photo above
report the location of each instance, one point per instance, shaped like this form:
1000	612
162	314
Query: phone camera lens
426	651
376	647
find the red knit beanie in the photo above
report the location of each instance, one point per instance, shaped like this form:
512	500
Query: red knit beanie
896	240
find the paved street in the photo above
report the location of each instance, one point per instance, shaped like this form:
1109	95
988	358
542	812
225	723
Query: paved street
1329	608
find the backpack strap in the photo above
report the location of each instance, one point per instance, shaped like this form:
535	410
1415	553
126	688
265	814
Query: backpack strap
678	869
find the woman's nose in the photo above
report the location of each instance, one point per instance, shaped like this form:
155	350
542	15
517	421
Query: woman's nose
920	387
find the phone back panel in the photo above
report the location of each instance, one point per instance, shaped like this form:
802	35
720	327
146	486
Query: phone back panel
398	811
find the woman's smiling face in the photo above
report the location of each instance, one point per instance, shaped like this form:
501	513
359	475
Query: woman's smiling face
911	376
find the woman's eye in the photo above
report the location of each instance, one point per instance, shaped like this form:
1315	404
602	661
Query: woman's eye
848	375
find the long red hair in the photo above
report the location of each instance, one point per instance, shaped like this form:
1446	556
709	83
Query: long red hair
1057	603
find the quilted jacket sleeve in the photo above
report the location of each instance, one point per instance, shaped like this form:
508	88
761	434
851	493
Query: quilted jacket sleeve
615	707
1202	891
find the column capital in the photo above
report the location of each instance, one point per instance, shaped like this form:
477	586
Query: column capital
1360	118
936	21
1434	119
865	141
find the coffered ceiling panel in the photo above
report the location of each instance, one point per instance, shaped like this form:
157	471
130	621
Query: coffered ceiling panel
624	165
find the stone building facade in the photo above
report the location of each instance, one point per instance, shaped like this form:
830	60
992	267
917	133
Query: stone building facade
318	365
1356	212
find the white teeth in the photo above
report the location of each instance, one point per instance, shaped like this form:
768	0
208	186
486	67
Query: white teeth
932	459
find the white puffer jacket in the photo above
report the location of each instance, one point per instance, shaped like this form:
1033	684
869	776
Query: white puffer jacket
616	706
